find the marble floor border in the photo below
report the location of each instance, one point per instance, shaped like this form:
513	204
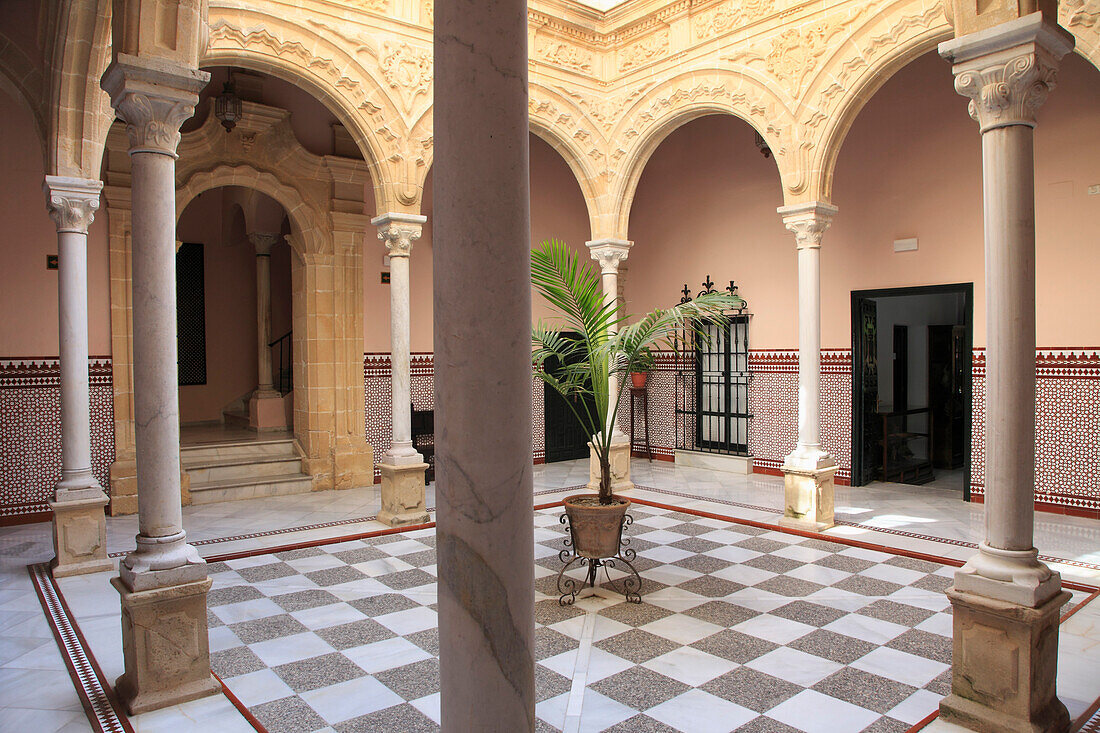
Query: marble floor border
95	693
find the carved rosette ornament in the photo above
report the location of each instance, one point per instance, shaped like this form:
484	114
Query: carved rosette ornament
153	97
808	222
1008	74
399	237
72	202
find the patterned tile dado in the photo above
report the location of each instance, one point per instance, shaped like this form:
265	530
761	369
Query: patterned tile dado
30	431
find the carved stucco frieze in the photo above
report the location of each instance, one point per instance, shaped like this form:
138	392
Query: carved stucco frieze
728	16
640	52
1079	14
606	110
72	202
407	69
565	55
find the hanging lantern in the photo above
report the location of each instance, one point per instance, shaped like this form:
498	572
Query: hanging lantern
228	107
762	145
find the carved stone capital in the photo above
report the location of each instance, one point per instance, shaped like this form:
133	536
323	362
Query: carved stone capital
609	253
808	222
1007	71
399	231
263	242
72	202
153	97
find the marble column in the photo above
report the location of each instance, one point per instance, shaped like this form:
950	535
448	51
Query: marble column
163	582
808	470
402	466
610	253
1006	602
265	408
482	281
79	524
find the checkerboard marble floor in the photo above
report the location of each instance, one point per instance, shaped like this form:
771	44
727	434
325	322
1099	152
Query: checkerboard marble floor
740	628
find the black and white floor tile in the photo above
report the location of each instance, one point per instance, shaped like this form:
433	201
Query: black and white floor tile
740	628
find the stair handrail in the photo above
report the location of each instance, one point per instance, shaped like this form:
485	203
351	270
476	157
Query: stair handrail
284	378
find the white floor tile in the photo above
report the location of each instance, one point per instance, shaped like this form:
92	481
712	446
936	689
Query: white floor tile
697	711
690	666
351	699
813	712
794	666
900	666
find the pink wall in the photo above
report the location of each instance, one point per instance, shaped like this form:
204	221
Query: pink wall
557	210
230	280
28	297
910	167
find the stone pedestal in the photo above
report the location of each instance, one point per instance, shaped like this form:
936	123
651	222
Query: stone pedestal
267	411
165	645
1004	661
808	497
80	533
403	494
619	460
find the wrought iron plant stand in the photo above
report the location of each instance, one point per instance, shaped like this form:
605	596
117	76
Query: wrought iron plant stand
629	585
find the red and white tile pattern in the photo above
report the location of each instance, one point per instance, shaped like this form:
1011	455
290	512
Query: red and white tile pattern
30	431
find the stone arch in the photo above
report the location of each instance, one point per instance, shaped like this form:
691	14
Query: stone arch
914	32
253	39
309	234
20	78
687	97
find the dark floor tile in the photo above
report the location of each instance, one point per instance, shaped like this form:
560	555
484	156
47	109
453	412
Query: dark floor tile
703	563
697	544
232	594
549	612
887	725
711	587
759	544
337	575
752	689
217	567
550	643
808	613
420	559
864	689
212	620
836	647
303	599
300	553
912	563
236	661
269	627
635	614
690	529
639	688
402	718
823	545
641	724
355	633
764	724
941	685
734	646
721	613
935	583
412	681
549	683
322	671
359	554
287	715
787	586
844	563
637	646
898	613
406	579
380	605
270	571
428	640
865	586
773	563
924	644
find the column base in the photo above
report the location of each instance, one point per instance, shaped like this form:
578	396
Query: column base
619	459
165	646
270	411
79	533
808	492
1004	665
403	494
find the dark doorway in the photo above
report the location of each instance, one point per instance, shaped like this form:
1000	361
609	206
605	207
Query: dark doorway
565	439
911	385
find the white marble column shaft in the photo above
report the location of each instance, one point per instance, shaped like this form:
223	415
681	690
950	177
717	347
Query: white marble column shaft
609	253
482	273
1007	72
808	222
399	231
154	98
72	203
263	242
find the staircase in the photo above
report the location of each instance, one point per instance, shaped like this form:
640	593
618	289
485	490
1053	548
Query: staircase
244	470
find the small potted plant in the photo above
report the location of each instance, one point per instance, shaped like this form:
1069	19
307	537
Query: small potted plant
643	365
608	348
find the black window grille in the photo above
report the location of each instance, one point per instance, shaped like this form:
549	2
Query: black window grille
712	384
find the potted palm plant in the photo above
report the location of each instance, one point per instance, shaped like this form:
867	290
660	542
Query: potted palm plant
608	347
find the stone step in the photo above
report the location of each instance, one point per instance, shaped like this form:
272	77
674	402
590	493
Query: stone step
239	451
236	419
245	468
236	490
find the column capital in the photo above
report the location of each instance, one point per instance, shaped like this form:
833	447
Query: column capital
72	202
609	253
1008	70
263	242
153	97
399	231
808	221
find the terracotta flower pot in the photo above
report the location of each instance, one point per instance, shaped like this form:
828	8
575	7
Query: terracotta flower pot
596	529
638	379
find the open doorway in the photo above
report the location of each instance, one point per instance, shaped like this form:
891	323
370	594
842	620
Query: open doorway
911	385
